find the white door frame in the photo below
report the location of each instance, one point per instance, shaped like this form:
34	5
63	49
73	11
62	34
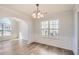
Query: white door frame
75	39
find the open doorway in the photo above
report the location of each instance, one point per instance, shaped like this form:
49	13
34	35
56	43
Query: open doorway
13	28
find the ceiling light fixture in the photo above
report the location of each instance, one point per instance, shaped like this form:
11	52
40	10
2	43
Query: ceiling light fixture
37	14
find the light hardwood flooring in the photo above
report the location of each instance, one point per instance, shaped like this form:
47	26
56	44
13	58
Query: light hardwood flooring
15	47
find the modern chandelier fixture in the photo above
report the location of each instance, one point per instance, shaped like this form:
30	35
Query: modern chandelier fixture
37	14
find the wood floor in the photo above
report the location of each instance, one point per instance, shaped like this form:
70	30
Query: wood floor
16	47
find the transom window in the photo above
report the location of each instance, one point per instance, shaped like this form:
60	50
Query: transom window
49	28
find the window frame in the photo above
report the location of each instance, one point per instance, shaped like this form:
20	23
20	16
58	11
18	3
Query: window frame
5	30
49	29
44	29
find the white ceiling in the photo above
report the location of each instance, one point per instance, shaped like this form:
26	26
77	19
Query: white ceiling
49	8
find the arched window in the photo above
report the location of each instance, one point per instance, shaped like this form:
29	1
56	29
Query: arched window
5	27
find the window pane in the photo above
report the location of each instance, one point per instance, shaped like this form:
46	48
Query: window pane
53	32
44	32
44	24
6	33
5	26
54	24
0	29
0	33
6	29
0	26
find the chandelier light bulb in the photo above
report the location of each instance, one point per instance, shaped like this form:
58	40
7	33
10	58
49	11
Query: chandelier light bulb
33	14
39	13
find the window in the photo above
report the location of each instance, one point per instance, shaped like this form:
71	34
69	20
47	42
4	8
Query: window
54	27
6	30
44	28
5	27
49	28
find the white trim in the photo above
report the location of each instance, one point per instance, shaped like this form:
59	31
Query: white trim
75	50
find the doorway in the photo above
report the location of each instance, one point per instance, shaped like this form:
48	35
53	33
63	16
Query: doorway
13	28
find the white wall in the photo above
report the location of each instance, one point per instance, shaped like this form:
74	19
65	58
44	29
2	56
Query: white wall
15	28
64	40
23	31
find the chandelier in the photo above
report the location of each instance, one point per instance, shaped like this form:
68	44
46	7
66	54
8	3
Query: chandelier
37	14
